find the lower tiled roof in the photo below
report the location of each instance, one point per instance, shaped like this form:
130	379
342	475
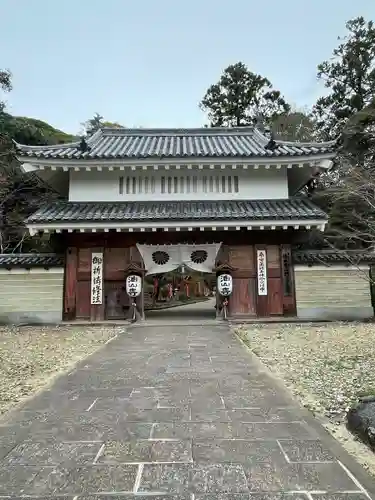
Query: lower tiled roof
350	257
289	209
29	260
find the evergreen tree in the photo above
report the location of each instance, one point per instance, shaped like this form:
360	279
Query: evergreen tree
349	78
241	97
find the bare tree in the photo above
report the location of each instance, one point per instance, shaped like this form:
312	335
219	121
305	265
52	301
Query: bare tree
352	195
20	195
5	84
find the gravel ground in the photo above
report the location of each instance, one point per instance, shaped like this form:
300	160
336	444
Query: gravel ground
30	357
326	366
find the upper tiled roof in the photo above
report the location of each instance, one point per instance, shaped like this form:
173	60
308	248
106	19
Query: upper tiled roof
29	260
289	209
244	142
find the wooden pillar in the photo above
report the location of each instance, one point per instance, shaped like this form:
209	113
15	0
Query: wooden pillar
141	301
70	284
289	296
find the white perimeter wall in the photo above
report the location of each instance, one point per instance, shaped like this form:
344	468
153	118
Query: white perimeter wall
333	293
31	296
202	184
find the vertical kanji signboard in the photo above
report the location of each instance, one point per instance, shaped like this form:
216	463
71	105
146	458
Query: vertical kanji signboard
96	278
262	272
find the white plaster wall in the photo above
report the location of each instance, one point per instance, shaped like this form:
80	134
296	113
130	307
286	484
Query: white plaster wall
104	185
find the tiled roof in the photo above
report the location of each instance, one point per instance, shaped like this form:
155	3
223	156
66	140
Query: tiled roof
29	260
289	209
115	143
328	257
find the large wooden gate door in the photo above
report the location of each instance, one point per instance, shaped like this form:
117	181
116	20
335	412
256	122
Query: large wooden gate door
116	300
77	296
245	300
272	303
242	302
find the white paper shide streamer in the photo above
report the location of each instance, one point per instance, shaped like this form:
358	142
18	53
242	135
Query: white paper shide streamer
96	278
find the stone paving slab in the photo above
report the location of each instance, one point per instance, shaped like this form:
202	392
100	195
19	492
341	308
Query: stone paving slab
234	430
215	496
85	479
172	412
19	480
51	453
237	451
340	496
305	451
255	496
248	415
135	497
146	451
291	477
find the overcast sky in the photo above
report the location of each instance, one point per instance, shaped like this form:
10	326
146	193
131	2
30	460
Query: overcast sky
148	63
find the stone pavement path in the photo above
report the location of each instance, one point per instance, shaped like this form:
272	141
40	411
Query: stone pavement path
172	412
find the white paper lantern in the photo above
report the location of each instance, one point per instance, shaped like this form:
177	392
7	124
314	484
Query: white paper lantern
225	284
133	285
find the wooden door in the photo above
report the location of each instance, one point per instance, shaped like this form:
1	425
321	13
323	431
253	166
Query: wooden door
83	298
242	300
83	309
117	300
115	263
272	303
77	290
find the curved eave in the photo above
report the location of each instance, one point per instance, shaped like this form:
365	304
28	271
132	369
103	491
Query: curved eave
323	161
331	145
32	151
68	150
71	154
166	226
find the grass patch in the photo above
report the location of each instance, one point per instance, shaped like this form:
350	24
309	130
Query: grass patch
31	356
328	366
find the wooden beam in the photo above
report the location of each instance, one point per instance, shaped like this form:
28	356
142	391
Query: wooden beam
70	284
289	297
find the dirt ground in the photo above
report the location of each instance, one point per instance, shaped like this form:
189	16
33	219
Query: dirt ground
326	366
30	357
